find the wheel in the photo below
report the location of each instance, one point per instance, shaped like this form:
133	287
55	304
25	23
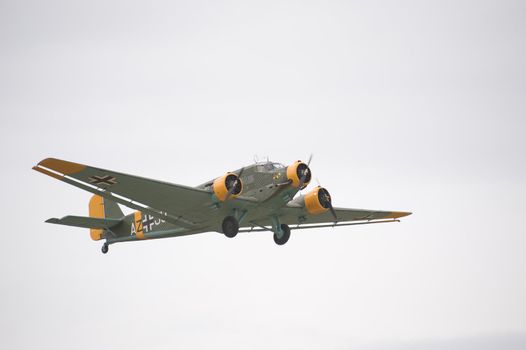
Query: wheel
230	226
105	248
285	229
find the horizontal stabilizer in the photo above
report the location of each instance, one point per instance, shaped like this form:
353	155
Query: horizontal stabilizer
86	222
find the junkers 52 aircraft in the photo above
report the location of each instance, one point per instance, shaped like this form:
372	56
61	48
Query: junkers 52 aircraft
258	197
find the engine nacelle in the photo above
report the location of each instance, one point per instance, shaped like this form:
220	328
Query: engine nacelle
296	171
228	182
317	201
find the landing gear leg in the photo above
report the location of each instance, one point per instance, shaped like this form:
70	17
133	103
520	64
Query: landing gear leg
282	237
105	248
230	226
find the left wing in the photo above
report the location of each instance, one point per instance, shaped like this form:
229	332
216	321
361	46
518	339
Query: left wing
180	205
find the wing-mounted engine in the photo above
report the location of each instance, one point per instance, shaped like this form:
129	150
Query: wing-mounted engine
227	186
299	174
317	201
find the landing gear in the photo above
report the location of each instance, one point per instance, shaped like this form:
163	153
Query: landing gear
230	226
105	248
285	235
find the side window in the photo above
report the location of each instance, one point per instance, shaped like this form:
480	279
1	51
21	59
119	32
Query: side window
249	179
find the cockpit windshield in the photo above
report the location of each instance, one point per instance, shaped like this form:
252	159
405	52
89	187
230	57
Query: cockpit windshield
269	166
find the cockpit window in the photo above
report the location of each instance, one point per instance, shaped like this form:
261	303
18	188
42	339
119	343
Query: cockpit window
269	166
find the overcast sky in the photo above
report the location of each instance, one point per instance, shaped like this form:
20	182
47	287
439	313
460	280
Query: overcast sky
406	105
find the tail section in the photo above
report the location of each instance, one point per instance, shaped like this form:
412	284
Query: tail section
100	208
103	215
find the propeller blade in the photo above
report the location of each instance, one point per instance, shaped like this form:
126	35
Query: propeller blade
305	173
303	178
331	208
333	212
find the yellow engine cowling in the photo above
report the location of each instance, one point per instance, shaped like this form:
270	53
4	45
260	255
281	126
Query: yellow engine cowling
296	171
225	183
317	201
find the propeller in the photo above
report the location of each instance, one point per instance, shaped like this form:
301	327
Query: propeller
305	173
326	198
234	184
333	212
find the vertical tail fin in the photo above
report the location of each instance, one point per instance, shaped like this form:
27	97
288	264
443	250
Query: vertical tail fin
112	209
102	208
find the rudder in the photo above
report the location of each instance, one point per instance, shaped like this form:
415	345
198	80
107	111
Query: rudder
101	208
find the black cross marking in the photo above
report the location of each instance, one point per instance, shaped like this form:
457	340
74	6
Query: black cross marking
147	222
102	180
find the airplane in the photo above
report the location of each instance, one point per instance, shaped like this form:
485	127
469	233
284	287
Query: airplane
258	197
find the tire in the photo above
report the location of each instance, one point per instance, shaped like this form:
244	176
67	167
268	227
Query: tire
286	235
105	248
230	226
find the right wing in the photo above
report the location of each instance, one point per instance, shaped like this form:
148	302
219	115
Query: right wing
298	218
295	215
181	205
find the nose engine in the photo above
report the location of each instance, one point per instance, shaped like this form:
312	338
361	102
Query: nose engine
318	201
299	174
227	186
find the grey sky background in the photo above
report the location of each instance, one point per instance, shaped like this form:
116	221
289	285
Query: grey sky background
406	105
